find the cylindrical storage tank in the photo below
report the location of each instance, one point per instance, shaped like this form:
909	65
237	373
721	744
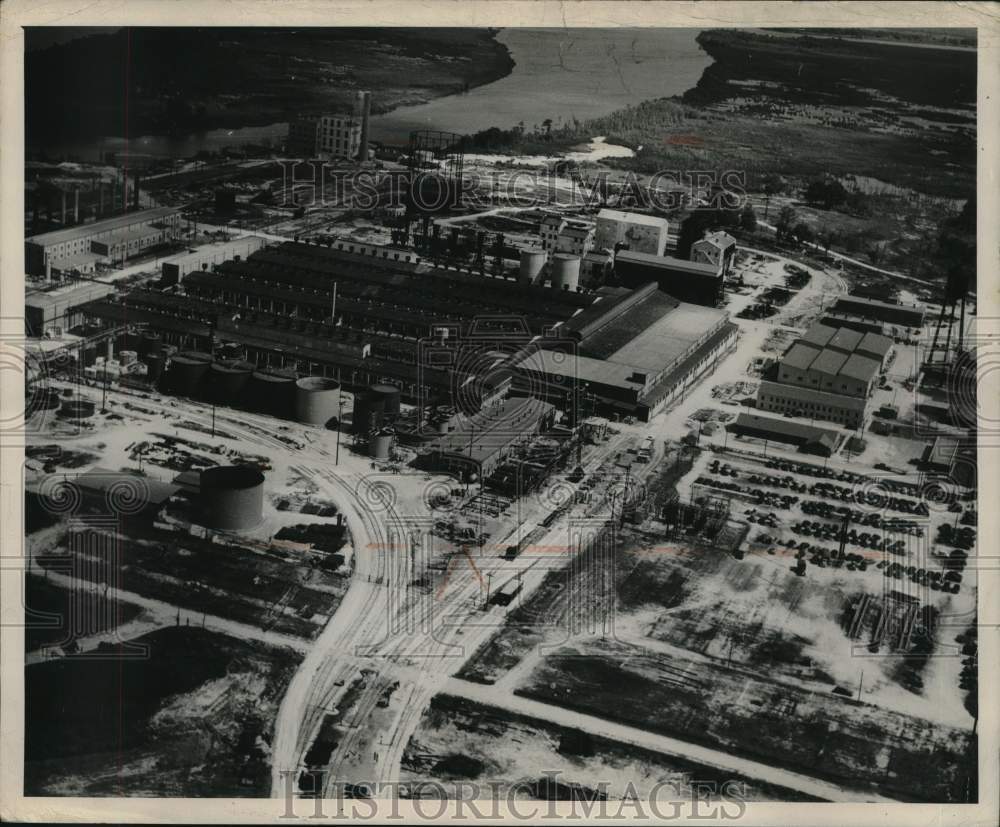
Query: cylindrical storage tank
232	497
154	367
186	372
369	413
380	444
565	273
317	400
149	344
271	392
41	399
77	409
532	264
389	394
226	381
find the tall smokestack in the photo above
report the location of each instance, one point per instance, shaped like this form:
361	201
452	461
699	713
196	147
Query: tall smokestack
365	103
100	202
63	193
76	206
135	193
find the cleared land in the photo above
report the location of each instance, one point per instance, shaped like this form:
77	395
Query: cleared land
192	718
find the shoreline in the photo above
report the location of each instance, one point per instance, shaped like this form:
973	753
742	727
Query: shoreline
477	70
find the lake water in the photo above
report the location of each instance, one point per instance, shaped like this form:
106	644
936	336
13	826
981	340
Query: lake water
559	74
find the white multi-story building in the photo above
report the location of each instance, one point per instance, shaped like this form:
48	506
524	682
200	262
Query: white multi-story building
635	231
562	236
338	136
717	249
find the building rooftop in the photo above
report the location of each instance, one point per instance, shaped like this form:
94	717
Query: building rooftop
860	367
720	239
693	268
829	361
845	340
490	431
80	292
801	355
785	430
107	225
875	343
632	218
859	302
818	334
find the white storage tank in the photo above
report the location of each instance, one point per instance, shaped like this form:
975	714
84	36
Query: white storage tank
532	265
565	273
317	400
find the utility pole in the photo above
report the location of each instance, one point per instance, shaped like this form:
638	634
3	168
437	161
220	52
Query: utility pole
861	681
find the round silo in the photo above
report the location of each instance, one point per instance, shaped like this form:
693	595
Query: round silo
154	367
186	372
317	400
369	412
77	409
389	394
565	273
89	355
226	381
149	344
532	264
231	497
380	444
271	392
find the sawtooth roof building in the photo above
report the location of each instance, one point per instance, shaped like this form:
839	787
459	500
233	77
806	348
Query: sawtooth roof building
828	373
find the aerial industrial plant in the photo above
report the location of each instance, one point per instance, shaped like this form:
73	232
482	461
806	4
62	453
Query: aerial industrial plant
429	454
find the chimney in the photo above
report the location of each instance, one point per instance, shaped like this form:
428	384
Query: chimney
100	207
76	206
111	349
135	193
63	194
48	271
365	102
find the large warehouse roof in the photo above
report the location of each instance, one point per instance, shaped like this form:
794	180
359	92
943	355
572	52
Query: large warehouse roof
693	268
490	431
108	225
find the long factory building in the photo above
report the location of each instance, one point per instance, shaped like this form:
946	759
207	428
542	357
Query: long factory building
361	319
109	240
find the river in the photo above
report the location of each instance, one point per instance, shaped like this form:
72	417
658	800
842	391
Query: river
559	74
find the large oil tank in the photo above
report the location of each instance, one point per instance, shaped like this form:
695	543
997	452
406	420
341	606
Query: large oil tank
232	497
532	265
89	355
317	400
227	378
271	392
389	394
149	344
380	444
186	373
77	409
154	367
369	413
565	272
